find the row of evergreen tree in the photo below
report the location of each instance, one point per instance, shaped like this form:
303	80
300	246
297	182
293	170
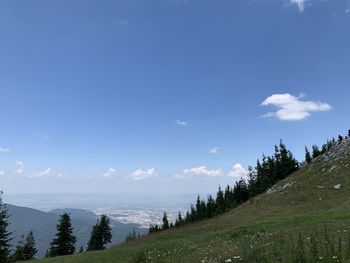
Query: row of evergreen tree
268	171
62	244
317	151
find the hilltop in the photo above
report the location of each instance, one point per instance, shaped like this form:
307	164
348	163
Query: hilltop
309	205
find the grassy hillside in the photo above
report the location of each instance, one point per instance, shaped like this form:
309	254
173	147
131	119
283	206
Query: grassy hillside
307	213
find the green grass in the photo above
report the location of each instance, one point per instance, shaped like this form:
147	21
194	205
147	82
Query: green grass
287	225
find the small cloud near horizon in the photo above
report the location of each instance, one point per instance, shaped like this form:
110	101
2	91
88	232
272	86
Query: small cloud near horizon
201	171
141	174
111	173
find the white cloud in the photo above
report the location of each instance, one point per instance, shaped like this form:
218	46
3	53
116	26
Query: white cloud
300	3
111	173
46	172
2	173
238	172
292	108
201	171
143	174
214	150
181	123
4	150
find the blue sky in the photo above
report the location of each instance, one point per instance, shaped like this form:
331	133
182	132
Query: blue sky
123	96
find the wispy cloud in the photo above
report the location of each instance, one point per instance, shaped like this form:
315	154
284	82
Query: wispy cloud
111	173
4	150
19	167
214	150
182	1
300	3
181	123
46	172
292	108
141	174
201	171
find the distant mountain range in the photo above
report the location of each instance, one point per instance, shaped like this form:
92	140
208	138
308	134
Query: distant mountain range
43	224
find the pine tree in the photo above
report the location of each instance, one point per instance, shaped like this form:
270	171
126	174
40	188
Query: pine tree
165	225
210	207
240	191
315	151
154	229
94	243
25	249
198	209
4	234
105	230
220	202
81	249
179	220
101	234
64	243
308	157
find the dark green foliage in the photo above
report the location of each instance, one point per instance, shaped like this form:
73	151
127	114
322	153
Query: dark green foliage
81	249
154	229
271	170
4	234
131	236
266	173
220	202
101	234
165	225
140	257
315	151
25	249
179	220
64	243
240	192
210	207
308	157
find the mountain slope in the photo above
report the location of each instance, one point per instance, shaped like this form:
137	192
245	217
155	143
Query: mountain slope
43	224
308	200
